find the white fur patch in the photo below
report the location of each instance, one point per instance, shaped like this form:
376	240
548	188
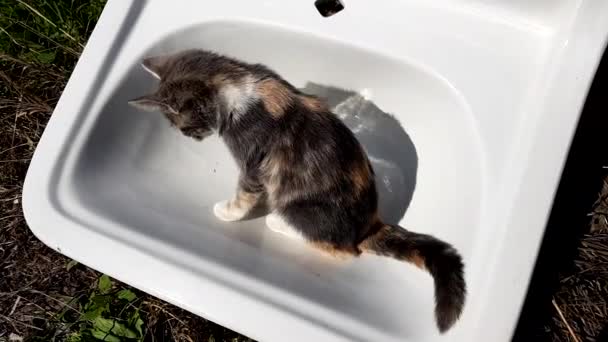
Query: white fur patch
238	96
225	212
157	76
278	224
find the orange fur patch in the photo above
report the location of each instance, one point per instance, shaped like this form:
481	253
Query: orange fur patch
361	176
417	260
271	169
275	96
333	251
378	230
219	80
244	200
313	104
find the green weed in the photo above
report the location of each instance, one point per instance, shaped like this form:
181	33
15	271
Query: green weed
107	313
47	31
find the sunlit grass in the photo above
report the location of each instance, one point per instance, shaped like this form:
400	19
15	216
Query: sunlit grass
46	31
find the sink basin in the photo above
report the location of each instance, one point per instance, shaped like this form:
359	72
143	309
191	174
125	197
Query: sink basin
473	111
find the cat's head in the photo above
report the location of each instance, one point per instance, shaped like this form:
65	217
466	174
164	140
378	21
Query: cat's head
186	94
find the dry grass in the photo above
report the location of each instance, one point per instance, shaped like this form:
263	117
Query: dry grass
583	295
42	293
35	285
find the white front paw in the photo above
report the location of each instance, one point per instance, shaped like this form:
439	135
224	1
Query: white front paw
225	212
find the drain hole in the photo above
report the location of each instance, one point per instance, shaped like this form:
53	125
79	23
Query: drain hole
327	8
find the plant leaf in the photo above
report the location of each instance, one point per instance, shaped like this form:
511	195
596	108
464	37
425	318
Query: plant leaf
96	306
91	315
105	284
127	295
139	323
104	336
74	337
114	327
136	322
71	264
46	57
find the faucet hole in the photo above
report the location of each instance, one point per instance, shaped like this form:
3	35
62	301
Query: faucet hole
327	8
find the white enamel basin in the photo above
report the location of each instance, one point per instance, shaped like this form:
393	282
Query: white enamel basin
482	109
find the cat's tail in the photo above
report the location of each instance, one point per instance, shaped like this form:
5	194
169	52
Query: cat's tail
439	258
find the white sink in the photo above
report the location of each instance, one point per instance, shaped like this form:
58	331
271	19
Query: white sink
484	97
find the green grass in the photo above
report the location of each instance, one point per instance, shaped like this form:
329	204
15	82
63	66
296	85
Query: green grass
106	313
47	32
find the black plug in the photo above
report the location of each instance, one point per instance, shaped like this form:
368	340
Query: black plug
327	8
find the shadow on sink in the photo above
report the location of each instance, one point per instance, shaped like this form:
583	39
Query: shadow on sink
390	149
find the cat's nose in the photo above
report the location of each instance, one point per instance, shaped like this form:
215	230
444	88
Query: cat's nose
327	8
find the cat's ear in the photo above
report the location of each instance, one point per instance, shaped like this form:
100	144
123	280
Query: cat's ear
156	65
151	103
